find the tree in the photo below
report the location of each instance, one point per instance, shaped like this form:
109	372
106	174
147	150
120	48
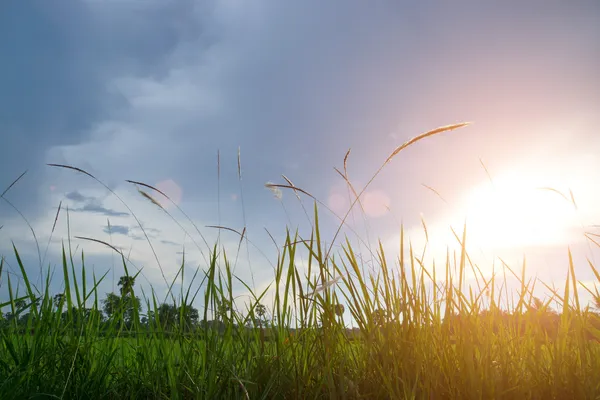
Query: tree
127	306
84	315
20	305
111	304
132	307
19	316
190	316
126	284
224	306
59	300
261	312
167	314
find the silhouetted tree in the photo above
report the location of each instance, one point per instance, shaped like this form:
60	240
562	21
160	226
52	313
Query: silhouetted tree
188	316
111	304
124	305
167	315
260	312
126	284
59	300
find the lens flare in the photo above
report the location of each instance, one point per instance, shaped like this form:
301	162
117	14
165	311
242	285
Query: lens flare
171	189
376	203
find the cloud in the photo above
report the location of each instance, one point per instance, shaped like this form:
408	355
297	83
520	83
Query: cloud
57	85
78	197
96	208
53	88
92	204
289	95
118	229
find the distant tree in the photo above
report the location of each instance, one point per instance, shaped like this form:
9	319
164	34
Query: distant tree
84	315
224	307
170	316
127	305
261	313
167	315
111	304
188	316
20	305
261	310
133	307
22	321
59	300
126	284
130	303
20	317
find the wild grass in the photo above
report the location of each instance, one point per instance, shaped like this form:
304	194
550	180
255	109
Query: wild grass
418	335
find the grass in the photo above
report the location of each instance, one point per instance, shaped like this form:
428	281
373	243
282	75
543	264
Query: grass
419	336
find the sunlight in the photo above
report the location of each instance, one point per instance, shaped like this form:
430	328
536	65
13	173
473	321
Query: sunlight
376	203
516	211
171	189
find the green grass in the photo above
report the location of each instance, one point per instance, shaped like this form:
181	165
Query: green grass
419	336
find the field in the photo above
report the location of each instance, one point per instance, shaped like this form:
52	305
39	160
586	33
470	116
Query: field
416	335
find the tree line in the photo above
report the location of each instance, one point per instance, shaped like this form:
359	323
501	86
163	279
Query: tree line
122	311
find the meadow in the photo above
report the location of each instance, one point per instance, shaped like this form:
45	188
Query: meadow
416	335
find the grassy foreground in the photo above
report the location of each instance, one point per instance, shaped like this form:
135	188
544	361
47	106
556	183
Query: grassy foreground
418	335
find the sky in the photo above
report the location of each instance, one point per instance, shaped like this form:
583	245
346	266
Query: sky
186	95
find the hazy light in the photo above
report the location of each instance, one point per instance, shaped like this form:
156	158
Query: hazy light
171	189
376	203
338	203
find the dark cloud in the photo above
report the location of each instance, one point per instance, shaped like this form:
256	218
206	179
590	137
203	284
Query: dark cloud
78	197
292	86
93	205
52	88
59	61
118	229
98	209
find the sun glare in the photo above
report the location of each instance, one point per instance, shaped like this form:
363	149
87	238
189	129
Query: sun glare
514	212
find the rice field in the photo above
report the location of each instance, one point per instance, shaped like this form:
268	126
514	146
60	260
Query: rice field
415	335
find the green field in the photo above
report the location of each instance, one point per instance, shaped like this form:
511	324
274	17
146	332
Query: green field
416	336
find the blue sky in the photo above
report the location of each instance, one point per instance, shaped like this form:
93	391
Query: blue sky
152	90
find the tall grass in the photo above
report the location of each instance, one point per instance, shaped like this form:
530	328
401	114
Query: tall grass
419	335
